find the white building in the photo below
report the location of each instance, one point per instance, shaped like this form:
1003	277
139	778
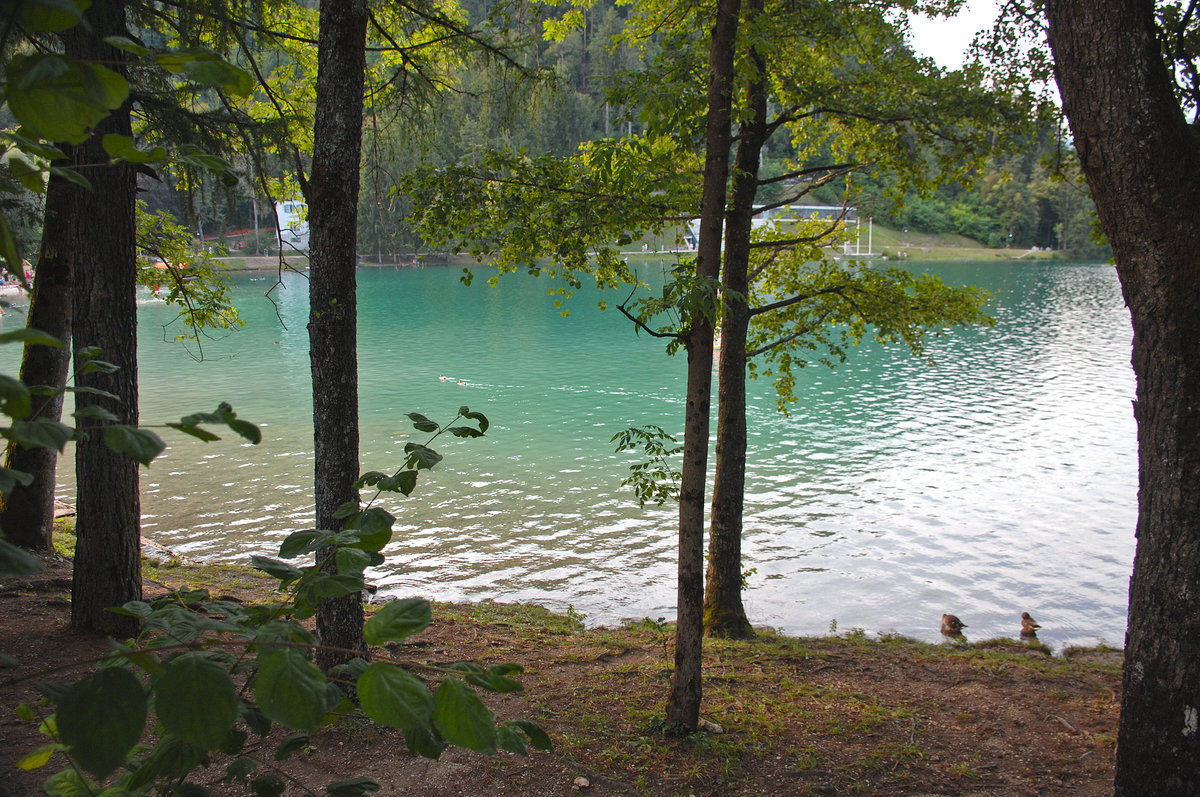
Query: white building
291	218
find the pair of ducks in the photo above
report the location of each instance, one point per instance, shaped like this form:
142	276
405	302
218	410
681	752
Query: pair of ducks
952	626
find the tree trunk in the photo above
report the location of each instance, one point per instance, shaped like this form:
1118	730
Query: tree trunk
108	569
724	614
1143	165
683	703
28	514
332	194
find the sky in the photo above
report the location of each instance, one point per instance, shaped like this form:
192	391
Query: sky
946	39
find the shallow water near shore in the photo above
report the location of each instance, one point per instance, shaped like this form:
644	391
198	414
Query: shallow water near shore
1001	479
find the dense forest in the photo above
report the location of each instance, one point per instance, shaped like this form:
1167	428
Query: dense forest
567	90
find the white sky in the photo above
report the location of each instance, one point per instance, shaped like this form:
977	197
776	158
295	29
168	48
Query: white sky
946	39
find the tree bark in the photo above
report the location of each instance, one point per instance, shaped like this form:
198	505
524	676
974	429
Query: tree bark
28	514
108	569
332	194
683	703
724	614
1143	165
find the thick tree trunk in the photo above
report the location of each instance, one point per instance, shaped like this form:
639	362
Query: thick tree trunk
1143	165
108	568
332	195
28	514
724	614
683	703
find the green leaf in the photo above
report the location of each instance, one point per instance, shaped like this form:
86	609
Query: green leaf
61	99
14	398
463	718
141	444
374	529
39	757
30	337
277	569
95	412
354	787
290	690
196	700
126	44
421	423
124	148
17	562
41	433
47	15
289	745
537	737
421	457
101	718
68	783
301	542
397	621
510	740
392	697
240	770
195	431
9	249
479	417
269	785
208	69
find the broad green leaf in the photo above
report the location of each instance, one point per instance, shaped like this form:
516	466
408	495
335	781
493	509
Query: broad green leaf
277	569
373	527
39	757
421	457
14	398
240	770
10	478
208	69
141	444
196	700
41	433
269	785
353	787
95	412
510	740
392	697
397	621
126	44
462	717
68	782
289	745
421	423
479	417
290	690
17	562
60	99
101	718
30	336
46	15
302	542
124	148
537	737
352	561
195	431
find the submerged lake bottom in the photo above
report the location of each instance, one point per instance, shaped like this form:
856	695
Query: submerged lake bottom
999	478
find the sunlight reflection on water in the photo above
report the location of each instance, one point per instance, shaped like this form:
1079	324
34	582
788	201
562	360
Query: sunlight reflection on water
999	480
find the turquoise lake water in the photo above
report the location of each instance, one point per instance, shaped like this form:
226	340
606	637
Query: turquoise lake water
1001	479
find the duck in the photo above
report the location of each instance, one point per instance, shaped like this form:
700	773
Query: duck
952	626
1029	626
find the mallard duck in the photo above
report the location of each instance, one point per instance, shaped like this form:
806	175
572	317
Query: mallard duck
1029	626
951	625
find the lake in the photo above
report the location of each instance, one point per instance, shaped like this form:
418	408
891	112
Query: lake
1000	479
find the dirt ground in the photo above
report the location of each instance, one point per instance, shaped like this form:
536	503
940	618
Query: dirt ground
835	715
